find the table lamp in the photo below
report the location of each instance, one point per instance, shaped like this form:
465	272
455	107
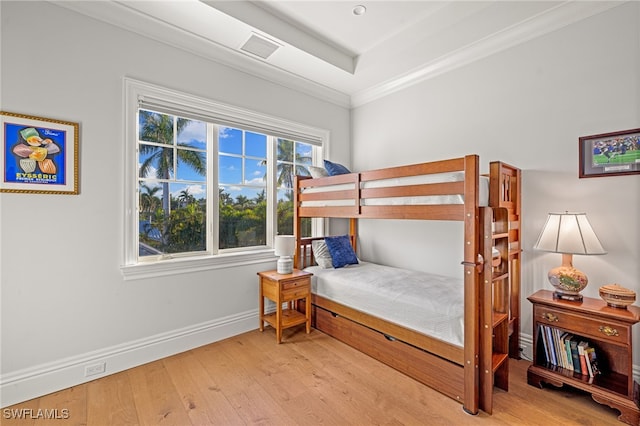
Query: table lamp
285	247
569	234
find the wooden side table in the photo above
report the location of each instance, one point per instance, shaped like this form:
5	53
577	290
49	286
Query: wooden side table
289	288
608	330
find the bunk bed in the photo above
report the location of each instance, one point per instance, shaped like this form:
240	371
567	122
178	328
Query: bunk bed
452	190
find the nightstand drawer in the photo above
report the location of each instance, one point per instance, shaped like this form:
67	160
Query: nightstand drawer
296	292
295	284
580	324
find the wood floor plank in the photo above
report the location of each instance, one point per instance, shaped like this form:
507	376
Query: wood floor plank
252	403
349	394
275	376
307	380
199	392
375	384
156	398
20	414
110	401
69	405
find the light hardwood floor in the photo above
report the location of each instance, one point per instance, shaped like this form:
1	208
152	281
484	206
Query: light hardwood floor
307	380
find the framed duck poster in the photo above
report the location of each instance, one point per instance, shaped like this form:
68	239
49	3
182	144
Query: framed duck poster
39	155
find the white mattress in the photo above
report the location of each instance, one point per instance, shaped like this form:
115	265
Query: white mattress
483	193
428	303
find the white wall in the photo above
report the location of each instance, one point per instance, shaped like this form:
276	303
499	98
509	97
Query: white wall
64	302
526	106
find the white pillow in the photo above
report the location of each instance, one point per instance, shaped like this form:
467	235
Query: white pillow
317	172
321	254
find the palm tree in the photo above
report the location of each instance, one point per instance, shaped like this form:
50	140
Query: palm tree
185	198
242	202
286	156
158	128
225	197
149	202
261	197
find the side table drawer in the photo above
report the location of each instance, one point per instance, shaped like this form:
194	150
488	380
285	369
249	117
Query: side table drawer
580	324
295	293
294	284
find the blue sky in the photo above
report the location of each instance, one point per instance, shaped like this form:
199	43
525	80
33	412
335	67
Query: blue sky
230	165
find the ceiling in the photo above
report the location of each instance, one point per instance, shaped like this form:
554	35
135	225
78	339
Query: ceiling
323	48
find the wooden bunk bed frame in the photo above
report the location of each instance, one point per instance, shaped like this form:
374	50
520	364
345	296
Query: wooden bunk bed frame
491	293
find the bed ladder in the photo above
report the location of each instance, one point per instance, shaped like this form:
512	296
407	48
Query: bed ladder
494	350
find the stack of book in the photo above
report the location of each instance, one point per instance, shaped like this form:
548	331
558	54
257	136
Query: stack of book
569	351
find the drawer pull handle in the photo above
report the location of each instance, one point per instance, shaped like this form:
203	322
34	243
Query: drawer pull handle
550	317
609	331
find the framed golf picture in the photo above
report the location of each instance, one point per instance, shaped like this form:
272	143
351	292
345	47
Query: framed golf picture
610	154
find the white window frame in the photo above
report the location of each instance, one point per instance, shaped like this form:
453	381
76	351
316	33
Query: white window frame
137	93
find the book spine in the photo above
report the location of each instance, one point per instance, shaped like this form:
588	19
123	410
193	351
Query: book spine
583	362
543	335
575	356
567	347
556	345
552	351
588	360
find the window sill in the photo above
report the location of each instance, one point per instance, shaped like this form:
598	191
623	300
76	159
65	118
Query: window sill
188	265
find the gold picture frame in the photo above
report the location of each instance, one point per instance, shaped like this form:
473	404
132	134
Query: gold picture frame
39	155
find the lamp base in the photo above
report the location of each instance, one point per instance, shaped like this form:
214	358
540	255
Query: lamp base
570	297
284	265
567	280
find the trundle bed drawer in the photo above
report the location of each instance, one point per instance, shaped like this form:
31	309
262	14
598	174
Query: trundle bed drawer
436	372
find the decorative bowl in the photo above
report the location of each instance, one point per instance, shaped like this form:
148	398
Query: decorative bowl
617	296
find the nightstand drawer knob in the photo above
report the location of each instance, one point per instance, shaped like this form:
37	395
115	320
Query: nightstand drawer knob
609	331
550	317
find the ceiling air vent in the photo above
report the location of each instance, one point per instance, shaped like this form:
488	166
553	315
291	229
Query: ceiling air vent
259	46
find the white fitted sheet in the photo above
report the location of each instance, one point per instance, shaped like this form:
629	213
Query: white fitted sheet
483	191
427	303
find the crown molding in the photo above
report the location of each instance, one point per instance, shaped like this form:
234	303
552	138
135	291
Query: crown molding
125	16
134	18
551	20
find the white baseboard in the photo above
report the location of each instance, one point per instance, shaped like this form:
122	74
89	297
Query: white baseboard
526	346
43	379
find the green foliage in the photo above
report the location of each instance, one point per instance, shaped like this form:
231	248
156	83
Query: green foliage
242	223
171	224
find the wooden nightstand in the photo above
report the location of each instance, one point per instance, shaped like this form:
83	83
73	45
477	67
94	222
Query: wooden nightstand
606	329
281	288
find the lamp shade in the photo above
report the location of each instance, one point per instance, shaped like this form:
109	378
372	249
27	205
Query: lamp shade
285	245
569	233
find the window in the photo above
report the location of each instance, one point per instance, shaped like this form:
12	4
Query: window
207	184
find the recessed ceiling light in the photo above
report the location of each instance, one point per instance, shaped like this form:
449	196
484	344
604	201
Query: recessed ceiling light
359	10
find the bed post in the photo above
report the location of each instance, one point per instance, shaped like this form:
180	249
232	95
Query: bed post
506	189
353	233
297	223
471	286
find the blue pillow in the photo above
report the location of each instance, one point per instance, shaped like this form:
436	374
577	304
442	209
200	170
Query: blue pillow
342	253
335	169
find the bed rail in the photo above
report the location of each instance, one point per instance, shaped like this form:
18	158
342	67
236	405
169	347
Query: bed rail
375	193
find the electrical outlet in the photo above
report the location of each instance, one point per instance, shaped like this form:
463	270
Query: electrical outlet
93	369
